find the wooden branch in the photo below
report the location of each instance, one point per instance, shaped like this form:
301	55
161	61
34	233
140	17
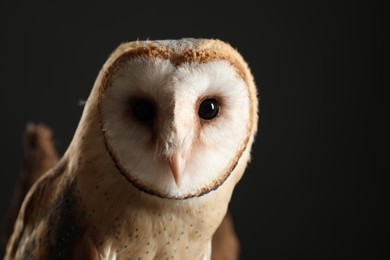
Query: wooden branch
39	156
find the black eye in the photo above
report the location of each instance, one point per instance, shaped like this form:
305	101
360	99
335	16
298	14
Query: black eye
208	109
143	110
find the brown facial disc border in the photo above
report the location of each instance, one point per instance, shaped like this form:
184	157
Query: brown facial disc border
153	52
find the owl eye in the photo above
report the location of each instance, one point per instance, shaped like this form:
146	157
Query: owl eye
208	108
143	110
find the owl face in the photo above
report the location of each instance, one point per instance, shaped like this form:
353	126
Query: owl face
175	129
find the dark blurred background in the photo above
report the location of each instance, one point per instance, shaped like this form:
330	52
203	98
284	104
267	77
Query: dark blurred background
316	186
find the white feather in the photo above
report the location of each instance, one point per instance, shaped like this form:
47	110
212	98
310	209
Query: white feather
176	91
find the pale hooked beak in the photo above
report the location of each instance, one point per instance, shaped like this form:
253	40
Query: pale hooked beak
177	164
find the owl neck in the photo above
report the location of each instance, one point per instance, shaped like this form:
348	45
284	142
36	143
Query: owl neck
120	217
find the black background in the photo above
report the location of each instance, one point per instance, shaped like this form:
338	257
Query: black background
316	186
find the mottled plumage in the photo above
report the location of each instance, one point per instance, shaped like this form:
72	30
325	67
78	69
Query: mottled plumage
165	136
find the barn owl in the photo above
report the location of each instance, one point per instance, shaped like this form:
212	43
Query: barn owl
164	137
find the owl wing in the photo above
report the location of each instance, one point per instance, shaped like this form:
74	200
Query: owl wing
225	244
31	222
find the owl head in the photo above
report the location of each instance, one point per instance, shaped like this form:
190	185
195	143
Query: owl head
176	116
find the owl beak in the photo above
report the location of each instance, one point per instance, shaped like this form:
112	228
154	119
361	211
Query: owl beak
177	163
